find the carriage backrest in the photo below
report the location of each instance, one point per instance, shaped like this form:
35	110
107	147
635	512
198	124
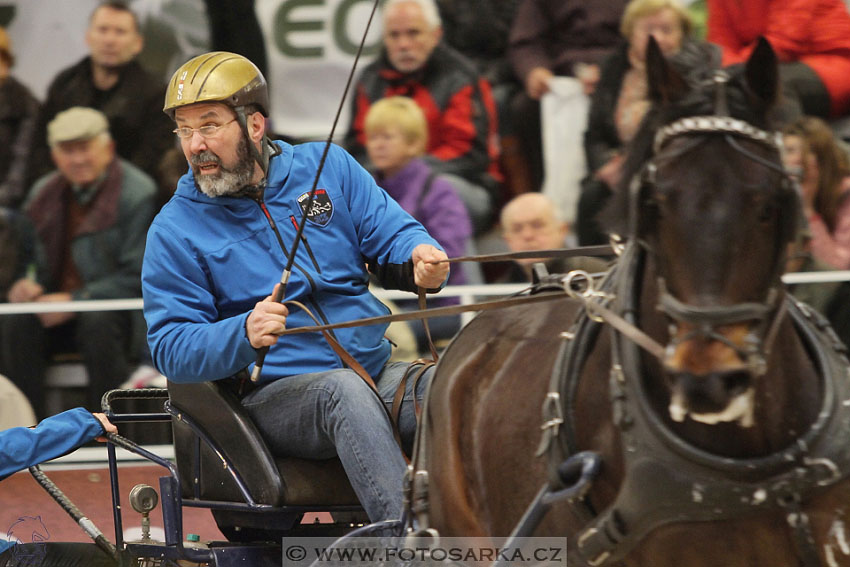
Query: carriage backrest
217	410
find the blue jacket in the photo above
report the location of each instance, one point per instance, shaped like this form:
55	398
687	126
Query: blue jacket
23	447
208	261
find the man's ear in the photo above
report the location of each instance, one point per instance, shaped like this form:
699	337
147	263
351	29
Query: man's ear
139	44
564	228
256	126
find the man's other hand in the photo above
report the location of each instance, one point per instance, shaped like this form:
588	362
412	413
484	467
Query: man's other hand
428	275
266	322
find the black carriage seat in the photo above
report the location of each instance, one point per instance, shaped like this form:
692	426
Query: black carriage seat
275	481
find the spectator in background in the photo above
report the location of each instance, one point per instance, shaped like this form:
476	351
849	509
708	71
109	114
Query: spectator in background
396	137
530	222
18	116
479	30
830	299
17	249
112	81
556	37
456	100
620	101
91	217
171	168
234	27
811	39
820	165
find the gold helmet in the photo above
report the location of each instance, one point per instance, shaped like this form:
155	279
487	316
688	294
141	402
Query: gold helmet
217	77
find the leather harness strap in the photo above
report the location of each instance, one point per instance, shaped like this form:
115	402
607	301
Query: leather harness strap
424	314
428	313
599	250
422	307
425	363
352	363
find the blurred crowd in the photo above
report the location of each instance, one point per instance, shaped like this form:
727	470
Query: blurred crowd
448	116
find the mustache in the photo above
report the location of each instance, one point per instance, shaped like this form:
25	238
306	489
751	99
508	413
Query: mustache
205	156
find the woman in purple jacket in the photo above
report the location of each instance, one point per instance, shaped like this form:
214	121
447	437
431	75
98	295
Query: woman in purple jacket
396	138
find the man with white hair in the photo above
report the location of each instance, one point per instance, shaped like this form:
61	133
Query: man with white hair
456	100
91	216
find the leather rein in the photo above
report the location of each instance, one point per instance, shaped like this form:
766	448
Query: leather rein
428	313
417	368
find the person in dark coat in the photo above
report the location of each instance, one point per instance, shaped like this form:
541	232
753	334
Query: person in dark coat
110	79
621	99
90	217
456	99
550	38
18	116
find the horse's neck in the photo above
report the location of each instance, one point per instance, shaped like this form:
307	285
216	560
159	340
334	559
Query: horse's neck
787	397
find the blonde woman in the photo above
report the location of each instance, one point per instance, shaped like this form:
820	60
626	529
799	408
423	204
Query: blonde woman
620	101
396	138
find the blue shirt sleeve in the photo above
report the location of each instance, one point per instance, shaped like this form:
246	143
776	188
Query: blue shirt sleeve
23	447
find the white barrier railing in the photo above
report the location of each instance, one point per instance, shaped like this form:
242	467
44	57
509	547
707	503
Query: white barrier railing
467	293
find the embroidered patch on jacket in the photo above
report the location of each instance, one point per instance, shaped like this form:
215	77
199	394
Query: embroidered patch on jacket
322	209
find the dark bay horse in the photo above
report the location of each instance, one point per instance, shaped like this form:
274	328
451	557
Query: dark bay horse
726	441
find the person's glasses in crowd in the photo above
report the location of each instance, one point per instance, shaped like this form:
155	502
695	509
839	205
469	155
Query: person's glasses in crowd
207	131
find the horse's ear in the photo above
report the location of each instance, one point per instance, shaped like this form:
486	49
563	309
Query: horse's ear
666	85
762	72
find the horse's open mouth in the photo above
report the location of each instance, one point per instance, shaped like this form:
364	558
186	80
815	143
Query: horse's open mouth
716	398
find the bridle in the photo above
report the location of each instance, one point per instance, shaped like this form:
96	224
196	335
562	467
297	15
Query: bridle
706	319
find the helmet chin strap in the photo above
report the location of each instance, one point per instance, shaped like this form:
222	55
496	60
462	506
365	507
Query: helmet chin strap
262	156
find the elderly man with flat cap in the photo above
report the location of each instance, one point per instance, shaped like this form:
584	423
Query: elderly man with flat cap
90	216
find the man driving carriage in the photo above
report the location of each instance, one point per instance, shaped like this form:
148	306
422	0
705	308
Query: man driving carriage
217	248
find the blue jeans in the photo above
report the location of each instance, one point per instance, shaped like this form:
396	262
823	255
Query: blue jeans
334	413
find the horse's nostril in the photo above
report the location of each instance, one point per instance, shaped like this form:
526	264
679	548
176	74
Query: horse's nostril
712	392
736	382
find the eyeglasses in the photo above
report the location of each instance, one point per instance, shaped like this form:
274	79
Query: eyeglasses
207	131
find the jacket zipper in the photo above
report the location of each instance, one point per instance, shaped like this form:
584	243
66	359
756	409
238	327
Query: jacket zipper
310	299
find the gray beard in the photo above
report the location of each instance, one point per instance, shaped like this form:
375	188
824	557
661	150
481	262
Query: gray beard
228	181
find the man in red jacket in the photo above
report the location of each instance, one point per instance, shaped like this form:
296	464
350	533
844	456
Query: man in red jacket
456	100
811	39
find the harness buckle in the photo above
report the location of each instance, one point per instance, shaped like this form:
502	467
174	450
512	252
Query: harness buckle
553	419
833	474
578	284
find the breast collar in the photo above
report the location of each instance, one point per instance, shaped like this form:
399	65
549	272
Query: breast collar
668	480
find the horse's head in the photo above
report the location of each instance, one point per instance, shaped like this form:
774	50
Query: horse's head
709	200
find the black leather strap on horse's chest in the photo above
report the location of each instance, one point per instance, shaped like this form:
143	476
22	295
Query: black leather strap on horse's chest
667	480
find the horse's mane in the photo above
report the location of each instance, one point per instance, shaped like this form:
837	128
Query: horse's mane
683	86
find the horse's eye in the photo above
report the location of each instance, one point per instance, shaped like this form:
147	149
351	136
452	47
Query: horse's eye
653	203
767	211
